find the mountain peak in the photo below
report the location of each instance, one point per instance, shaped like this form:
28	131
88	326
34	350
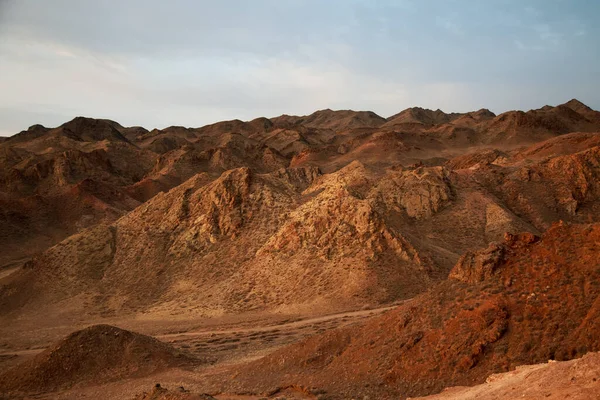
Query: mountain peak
577	105
90	129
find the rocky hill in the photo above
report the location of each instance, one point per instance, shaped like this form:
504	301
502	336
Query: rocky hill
521	301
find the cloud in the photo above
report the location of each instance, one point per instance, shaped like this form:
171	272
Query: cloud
192	62
548	35
450	24
520	45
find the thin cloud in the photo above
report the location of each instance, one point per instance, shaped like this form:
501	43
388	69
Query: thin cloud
450	24
189	62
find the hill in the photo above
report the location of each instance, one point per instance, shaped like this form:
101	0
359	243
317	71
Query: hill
97	354
502	307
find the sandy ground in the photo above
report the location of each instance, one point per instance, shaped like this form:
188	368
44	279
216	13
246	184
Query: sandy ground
574	380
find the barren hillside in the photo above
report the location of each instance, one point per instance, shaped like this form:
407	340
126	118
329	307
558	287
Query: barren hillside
273	221
522	301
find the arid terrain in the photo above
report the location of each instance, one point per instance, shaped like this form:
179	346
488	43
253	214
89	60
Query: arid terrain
339	255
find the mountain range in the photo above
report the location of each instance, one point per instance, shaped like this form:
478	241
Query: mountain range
478	228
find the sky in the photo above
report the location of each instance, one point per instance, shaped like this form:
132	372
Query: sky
158	63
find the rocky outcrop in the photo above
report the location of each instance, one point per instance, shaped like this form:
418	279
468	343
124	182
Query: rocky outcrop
479	266
418	193
476	267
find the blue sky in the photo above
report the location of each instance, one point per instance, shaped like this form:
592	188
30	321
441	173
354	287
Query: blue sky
157	63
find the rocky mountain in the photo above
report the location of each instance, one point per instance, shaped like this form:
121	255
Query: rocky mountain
252	225
333	213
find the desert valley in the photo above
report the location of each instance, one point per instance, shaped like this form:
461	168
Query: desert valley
338	255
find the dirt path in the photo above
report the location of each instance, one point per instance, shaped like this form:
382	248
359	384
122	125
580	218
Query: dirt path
8	271
25	352
282	326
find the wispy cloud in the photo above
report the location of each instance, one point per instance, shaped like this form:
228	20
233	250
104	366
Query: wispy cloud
194	62
520	45
450	23
542	37
548	35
